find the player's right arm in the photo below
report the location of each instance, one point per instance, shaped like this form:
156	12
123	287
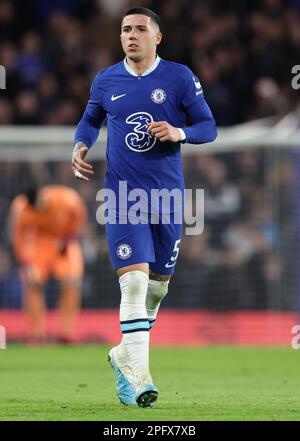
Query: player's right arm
17	224
20	222
87	131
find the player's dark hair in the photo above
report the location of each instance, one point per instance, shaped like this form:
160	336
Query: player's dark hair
31	193
144	11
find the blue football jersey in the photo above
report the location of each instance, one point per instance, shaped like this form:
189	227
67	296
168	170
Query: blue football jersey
167	91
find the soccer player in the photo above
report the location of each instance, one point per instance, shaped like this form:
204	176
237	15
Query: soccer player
45	224
145	101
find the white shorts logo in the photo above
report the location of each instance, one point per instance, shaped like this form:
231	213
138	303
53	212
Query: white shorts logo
124	251
140	139
158	96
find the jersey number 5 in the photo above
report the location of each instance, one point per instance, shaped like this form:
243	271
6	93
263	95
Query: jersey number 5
173	259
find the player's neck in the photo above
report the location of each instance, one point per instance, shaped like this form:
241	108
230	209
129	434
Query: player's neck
140	67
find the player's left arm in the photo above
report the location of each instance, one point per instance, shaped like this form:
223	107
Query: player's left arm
77	216
203	127
72	224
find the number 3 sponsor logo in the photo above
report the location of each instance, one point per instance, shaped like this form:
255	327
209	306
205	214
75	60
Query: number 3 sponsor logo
140	139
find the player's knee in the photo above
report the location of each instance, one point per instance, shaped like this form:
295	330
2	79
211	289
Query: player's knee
34	286
159	277
71	283
157	290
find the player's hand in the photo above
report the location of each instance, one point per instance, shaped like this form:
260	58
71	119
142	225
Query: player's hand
163	131
79	166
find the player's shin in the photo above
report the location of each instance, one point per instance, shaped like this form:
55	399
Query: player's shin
135	324
157	290
35	309
68	307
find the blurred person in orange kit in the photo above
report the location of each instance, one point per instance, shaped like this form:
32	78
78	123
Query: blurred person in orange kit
45	224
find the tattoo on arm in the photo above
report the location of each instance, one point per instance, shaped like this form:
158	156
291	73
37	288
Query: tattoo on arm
79	145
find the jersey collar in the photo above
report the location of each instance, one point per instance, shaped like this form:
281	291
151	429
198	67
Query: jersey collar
147	72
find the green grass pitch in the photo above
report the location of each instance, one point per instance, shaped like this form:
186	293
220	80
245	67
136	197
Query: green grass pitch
214	383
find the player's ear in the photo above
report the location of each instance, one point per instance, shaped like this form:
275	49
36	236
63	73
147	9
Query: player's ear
158	38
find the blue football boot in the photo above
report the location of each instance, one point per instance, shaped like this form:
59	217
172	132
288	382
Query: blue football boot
147	396
124	387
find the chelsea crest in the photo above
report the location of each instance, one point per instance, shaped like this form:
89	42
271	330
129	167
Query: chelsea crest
158	96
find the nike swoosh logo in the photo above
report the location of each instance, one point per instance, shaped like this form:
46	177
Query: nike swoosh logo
114	98
169	265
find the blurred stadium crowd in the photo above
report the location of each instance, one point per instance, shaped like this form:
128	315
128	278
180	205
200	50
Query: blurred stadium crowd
243	52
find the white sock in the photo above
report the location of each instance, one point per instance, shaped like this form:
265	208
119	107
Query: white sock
157	290
135	324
